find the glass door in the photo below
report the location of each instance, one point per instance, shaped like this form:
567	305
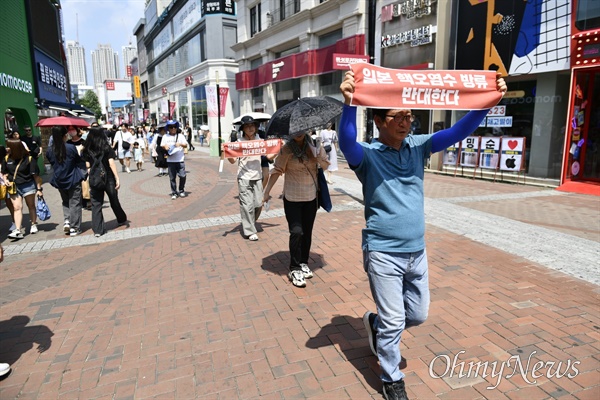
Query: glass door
590	149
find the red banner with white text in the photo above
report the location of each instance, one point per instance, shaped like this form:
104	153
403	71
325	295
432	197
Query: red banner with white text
379	87
247	148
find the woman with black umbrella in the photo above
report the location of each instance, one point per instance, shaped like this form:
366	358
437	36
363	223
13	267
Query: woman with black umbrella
298	160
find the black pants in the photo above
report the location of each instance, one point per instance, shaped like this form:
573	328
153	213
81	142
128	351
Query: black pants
177	169
300	216
97	198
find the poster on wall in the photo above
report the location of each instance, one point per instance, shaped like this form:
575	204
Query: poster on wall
469	150
511	154
490	152
517	37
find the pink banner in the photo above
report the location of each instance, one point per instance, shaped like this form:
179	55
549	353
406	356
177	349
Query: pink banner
380	87
223	92
246	148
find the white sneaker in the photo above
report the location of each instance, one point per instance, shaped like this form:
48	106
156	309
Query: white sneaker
66	228
306	271
16	234
12	227
297	278
34	229
4	368
128	171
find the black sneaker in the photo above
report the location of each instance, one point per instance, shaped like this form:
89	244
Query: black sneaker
394	390
369	321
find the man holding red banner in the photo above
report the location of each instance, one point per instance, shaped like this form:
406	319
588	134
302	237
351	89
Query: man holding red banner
391	170
250	187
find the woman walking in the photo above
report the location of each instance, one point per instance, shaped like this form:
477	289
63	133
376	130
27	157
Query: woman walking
298	160
329	141
20	170
100	161
68	167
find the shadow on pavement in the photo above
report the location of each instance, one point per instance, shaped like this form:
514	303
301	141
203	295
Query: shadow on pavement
342	332
16	338
280	262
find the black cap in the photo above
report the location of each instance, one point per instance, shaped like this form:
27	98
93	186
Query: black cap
247	119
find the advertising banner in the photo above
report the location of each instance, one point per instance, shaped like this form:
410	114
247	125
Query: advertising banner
469	149
380	87
511	154
211	100
247	148
490	152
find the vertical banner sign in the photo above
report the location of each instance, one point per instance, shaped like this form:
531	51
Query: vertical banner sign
223	92
450	154
146	113
211	100
511	154
490	152
172	107
136	87
469	151
140	114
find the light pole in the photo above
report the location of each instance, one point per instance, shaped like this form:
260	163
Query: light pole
218	110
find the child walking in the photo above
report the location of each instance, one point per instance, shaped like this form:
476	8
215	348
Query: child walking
138	156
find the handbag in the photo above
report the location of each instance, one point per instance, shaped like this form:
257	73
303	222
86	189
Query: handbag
42	210
324	200
327	148
125	145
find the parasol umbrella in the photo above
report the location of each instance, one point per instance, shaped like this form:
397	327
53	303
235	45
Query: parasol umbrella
258	117
63	121
304	114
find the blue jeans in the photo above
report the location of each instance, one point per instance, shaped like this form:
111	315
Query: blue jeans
400	287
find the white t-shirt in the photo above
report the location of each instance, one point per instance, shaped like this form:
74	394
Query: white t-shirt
170	140
121	137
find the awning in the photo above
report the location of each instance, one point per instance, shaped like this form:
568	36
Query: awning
73	109
119	103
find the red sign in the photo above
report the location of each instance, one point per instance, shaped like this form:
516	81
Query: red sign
128	69
172	106
110	85
164	90
343	61
380	87
189	80
247	148
146	113
223	98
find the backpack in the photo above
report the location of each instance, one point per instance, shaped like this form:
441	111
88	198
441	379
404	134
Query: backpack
98	176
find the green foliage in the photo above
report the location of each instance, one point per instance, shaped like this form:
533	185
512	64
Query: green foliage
90	100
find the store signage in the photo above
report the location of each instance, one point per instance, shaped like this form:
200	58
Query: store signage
189	80
276	67
499	122
450	153
136	87
128	71
164	90
469	149
511	153
343	61
497	111
50	76
188	17
490	152
416	37
218	7
110	85
11	82
410	9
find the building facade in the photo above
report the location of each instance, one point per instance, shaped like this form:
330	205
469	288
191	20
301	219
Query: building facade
76	63
188	49
286	50
105	63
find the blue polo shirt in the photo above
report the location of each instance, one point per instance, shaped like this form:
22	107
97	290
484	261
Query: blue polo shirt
393	193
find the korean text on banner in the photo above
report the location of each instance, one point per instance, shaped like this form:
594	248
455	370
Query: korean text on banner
248	148
211	100
380	87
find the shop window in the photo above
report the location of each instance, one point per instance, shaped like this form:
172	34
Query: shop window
286	9
255	22
257	62
329	39
329	84
287	52
587	14
199	111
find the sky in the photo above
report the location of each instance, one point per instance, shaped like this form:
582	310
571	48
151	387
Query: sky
101	21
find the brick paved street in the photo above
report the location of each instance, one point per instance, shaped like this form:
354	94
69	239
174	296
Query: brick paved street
179	306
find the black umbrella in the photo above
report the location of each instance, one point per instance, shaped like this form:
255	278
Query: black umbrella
303	115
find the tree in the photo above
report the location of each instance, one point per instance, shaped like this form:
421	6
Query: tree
90	100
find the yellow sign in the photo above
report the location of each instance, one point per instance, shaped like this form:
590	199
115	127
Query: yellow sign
136	87
514	94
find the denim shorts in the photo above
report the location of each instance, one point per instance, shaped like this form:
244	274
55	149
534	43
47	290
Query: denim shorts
26	189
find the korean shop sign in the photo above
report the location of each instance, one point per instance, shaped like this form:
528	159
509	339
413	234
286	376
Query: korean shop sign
416	37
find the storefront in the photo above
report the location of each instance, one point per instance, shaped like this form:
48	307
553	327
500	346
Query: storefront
17	91
581	161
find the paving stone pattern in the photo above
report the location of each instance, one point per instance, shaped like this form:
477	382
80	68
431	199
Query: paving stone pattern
179	306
